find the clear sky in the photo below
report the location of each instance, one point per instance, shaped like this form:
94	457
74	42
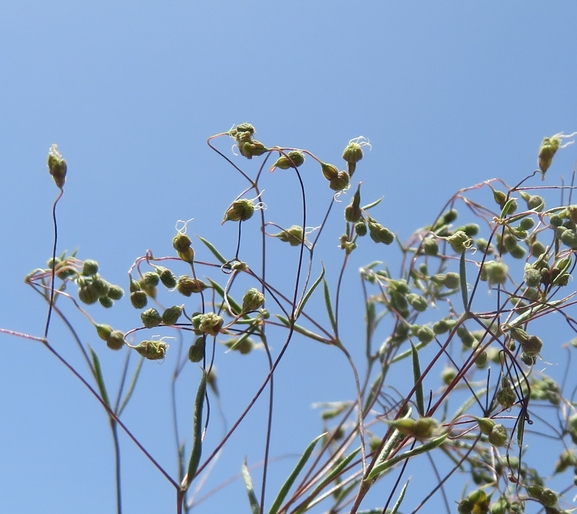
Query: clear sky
449	93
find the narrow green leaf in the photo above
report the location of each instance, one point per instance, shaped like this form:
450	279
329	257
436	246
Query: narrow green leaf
329	306
132	386
236	308
372	204
99	378
416	377
309	293
401	498
254	506
303	331
463	281
197	431
508	207
333	473
292	477
213	250
429	445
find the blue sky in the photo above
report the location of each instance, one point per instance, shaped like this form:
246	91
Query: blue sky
449	94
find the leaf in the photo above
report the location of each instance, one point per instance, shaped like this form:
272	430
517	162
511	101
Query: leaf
303	331
401	497
309	293
463	281
132	386
329	306
508	208
214	251
372	204
99	378
197	431
236	308
254	506
418	383
292	477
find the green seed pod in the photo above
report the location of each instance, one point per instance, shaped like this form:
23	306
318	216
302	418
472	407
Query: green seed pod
548	498
361	228
534	490
569	238
293	235
353	211
459	241
448	217
341	182
106	302
424	428
57	166
211	323
418	302
244	345
528	360
292	159
242	128
182	244
555	220
330	171
481	359
134	286
150	318
571	212
353	152
89	268
430	246
405	426
379	233
443	326
425	335
536	203
448	375
566	459
509	242
466	337
103	331
499	197
187	285
87	295
100	286
115	292
501	506
483	246
452	280
252	148
168	278
506	397
152	350
196	350
486	425
518	252
498	435
532	346
526	224
239	210
252	300
138	299
150	279
170	316
532	276
494	272
115	340
537	249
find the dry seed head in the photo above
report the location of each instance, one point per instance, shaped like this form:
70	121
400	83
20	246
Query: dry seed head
239	210
211	323
187	285
549	148
57	166
459	241
152	350
252	300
